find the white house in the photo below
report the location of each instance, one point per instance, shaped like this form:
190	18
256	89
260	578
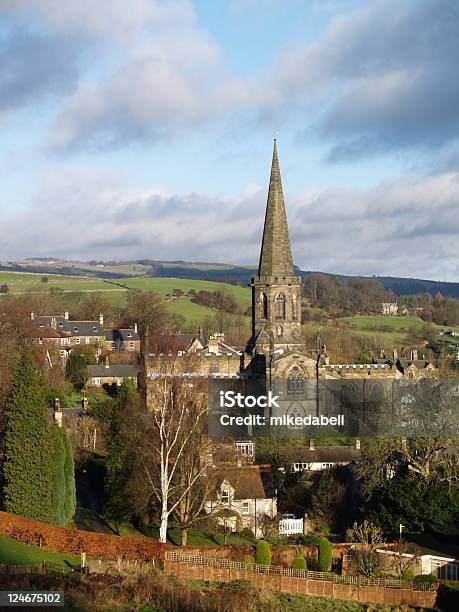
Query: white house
240	490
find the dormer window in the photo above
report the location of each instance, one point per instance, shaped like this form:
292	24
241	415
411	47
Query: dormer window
75	329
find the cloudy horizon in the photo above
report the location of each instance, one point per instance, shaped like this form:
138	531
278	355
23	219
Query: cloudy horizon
147	133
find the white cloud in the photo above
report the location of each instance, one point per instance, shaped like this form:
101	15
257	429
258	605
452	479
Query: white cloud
399	228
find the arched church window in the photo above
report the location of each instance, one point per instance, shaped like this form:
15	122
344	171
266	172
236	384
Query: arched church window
295	381
280	306
296	410
264	305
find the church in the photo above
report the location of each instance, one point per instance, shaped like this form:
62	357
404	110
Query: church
276	357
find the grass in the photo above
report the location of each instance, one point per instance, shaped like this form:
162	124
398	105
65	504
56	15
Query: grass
196	536
369	326
18	553
116	290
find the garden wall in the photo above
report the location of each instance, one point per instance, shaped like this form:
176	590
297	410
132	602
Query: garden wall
290	581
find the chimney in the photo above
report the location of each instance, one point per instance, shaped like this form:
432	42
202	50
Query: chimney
107	365
135	328
312	444
32	316
200	331
84	404
53	323
395	354
414	354
357	444
66	315
101	319
57	412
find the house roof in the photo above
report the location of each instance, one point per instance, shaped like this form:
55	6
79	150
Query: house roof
246	481
100	370
75	328
420	364
326	454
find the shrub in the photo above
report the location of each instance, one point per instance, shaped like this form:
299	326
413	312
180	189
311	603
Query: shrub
325	555
299	563
238	586
424	578
306	540
408	574
249	562
263	553
247	534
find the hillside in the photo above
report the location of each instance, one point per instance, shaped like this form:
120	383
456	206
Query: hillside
203	271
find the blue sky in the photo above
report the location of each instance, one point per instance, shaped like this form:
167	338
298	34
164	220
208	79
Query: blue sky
144	130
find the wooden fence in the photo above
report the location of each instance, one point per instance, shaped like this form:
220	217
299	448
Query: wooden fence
323	584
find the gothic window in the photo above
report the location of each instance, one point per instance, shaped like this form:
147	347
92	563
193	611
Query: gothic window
280	331
296	411
295	381
280	306
294	307
264	305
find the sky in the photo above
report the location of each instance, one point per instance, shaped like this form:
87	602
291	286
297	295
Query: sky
144	129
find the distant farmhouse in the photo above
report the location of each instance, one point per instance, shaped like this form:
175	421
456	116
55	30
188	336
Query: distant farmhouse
389	308
60	332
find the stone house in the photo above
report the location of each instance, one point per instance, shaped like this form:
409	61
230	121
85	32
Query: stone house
241	490
389	308
107	373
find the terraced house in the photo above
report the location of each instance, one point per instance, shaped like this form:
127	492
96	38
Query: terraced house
62	333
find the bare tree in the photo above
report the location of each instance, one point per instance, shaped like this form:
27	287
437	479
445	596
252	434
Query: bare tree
166	440
365	561
268	525
402	558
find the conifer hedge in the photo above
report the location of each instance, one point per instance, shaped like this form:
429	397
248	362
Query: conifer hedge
28	470
325	555
263	553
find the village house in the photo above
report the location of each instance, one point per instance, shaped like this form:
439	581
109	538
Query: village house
241	500
60	332
389	308
107	373
317	458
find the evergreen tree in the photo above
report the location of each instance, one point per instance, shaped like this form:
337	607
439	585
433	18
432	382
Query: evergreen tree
64	498
28	466
118	452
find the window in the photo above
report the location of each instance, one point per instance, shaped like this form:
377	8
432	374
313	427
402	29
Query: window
225	496
264	305
245	507
280	306
131	345
86	340
96	381
280	331
295	382
77	341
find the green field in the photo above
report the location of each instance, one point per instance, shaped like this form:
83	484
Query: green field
371	326
18	553
117	290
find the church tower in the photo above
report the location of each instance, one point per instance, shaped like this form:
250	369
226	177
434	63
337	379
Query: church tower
276	291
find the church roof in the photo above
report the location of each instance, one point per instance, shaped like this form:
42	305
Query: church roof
276	254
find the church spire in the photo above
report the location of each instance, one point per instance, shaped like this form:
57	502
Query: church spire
276	254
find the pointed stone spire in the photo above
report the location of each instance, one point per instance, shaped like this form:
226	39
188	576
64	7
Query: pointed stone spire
276	254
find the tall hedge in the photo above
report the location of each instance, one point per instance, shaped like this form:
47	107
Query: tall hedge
325	555
64	497
28	467
263	553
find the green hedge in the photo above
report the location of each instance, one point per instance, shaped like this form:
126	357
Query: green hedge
325	555
263	553
249	562
299	563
